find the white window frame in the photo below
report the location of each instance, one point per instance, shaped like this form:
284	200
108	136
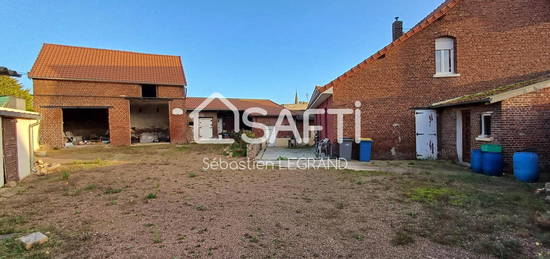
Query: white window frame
482	136
442	45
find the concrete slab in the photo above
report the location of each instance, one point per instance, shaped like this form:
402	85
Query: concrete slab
282	153
33	239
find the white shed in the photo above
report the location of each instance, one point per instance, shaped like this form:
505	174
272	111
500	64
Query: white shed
18	141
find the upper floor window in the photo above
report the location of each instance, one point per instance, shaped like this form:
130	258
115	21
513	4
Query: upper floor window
445	57
149	91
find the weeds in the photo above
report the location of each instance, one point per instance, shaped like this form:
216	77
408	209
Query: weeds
191	175
110	190
151	196
401	238
65	175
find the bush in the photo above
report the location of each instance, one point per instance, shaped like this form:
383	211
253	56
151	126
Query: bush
10	86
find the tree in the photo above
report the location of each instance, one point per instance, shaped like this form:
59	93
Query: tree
10	86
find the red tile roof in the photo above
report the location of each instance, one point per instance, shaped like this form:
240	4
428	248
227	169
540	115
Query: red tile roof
272	108
105	65
431	18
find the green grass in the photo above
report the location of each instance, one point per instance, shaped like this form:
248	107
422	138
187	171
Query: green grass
151	196
110	190
65	175
9	224
437	194
365	173
191	175
472	211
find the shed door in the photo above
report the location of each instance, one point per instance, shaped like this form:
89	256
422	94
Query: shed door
426	134
1	156
205	128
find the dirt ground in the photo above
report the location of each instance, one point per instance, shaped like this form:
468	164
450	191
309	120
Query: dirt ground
157	202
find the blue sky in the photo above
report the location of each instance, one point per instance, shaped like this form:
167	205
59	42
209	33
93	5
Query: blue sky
240	48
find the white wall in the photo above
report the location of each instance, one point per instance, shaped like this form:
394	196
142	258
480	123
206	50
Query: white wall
25	150
1	155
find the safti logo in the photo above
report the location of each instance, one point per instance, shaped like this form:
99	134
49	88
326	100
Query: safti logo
269	136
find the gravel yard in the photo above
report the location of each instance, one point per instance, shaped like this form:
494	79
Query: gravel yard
156	201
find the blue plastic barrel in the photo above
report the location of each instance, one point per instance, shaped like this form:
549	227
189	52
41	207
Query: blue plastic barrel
365	150
492	163
526	166
476	161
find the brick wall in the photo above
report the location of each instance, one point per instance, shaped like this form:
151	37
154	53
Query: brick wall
178	123
527	125
9	140
517	124
447	128
54	93
497	42
327	121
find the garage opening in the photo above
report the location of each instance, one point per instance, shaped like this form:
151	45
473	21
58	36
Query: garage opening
82	126
149	121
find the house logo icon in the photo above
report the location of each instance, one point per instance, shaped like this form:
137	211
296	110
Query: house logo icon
195	115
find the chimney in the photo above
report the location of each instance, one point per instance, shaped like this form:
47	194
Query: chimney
397	29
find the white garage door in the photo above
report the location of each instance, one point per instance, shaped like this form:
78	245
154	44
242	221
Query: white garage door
205	128
426	134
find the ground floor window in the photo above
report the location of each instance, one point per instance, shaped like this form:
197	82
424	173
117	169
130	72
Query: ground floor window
485	124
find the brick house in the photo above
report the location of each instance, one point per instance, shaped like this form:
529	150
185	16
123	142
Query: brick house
217	119
462	48
99	95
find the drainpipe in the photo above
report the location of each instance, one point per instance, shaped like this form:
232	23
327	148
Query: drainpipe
31	141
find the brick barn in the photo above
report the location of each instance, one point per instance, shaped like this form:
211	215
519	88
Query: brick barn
88	95
464	47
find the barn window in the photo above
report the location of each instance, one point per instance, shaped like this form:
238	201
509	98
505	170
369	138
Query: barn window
445	57
149	91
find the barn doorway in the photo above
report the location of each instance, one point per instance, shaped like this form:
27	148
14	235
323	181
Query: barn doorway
149	121
83	126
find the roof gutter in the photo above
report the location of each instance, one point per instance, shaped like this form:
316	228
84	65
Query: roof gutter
319	98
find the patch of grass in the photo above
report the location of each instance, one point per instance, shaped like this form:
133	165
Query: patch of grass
282	158
500	248
182	148
151	196
85	164
191	175
358	237
157	239
435	194
401	238
251	238
9	224
365	173
200	207
90	187
65	175
110	190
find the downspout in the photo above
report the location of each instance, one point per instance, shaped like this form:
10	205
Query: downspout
31	142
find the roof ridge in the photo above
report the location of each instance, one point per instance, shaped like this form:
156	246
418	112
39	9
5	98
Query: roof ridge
111	50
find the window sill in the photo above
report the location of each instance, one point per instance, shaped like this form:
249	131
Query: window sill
446	75
484	139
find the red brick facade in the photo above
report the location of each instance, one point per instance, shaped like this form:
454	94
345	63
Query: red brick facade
9	141
51	95
496	43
